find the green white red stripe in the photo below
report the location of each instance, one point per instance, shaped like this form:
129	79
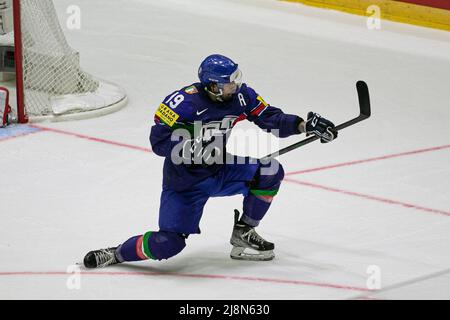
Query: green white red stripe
139	250
145	246
142	247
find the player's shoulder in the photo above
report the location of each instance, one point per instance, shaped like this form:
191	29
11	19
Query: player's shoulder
183	94
192	91
249	96
247	91
180	106
183	100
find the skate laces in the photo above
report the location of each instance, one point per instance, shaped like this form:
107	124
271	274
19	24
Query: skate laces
252	235
104	257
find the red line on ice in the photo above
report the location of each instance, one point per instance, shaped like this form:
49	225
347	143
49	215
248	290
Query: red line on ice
407	205
350	163
82	136
369	197
86	137
187	275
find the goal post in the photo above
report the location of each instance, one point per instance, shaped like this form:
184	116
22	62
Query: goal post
49	82
17	17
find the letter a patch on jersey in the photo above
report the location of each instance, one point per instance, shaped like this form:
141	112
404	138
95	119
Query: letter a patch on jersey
166	115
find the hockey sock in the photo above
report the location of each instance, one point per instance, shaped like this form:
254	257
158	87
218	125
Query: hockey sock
152	245
265	186
254	210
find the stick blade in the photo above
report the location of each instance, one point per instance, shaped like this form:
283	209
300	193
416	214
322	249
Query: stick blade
364	98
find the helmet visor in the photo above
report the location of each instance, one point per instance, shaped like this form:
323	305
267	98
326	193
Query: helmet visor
234	85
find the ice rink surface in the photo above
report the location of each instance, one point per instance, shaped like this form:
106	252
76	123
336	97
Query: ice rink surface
373	205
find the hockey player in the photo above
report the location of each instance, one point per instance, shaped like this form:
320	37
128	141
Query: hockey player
191	128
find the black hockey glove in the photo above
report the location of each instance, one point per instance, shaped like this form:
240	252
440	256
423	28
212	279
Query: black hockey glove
321	127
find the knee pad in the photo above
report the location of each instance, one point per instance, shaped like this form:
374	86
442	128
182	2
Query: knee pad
267	181
269	176
163	244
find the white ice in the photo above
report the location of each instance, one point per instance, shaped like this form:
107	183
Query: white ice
63	194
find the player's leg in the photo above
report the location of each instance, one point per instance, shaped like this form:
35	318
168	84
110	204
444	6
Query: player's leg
155	245
262	190
262	182
180	214
258	182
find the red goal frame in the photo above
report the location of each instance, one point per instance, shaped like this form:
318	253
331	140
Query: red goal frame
18	56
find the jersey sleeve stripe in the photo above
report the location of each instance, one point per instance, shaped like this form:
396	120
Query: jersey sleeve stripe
259	109
240	118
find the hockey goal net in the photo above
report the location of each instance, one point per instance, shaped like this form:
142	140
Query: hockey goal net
44	71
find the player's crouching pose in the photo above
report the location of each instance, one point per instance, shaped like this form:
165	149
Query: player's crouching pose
190	131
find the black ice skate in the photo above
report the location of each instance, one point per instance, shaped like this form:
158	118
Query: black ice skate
247	244
101	258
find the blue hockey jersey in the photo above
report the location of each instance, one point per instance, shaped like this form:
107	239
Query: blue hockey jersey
183	108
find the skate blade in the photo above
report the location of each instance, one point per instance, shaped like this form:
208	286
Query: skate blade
239	253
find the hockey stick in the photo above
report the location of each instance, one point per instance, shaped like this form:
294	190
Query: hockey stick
364	113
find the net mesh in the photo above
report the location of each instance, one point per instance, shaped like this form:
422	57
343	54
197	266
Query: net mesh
51	68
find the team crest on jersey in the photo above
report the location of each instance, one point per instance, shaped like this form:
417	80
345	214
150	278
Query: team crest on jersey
166	115
191	90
